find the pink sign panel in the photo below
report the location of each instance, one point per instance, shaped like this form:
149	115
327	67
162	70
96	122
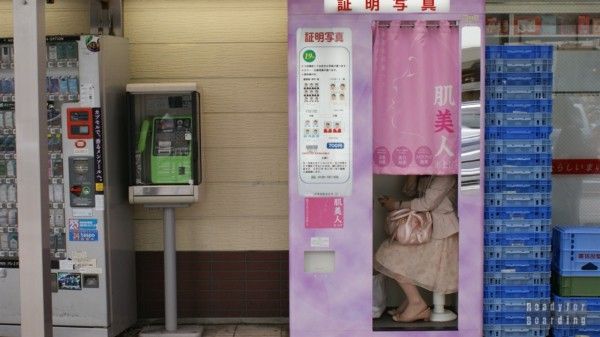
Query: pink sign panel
416	131
324	212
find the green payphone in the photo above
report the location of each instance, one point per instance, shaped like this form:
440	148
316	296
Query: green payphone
171	148
165	154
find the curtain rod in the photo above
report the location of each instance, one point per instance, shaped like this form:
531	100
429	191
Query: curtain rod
411	24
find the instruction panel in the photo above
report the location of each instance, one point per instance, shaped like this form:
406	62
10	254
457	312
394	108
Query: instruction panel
324	97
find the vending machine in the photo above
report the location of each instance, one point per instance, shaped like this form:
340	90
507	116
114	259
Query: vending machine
92	253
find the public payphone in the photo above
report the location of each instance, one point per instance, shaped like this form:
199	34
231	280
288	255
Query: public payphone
165	153
165	157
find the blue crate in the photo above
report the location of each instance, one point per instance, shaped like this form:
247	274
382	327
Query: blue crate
581	267
518	226
526	305
523	330
517	199
517	279
576	331
576	237
525	133
517	173
518	66
533	146
518	119
592	318
519	92
520	318
525	186
518	79
519	52
518	252
517	266
517	239
518	106
573	274
576	304
518	159
502	291
515	213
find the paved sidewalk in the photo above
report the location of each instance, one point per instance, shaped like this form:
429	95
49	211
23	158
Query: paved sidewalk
236	330
246	331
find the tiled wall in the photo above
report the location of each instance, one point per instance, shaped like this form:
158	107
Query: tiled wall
216	284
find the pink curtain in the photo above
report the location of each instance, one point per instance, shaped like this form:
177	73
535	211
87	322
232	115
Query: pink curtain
416	98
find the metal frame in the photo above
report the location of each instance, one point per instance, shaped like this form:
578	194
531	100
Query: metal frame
106	17
32	165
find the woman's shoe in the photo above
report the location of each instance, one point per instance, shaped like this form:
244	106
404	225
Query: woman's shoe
400	309
424	315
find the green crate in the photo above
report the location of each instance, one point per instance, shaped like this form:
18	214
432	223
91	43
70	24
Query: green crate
575	285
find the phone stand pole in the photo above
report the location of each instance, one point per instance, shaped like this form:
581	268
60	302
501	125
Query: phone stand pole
170	269
170	260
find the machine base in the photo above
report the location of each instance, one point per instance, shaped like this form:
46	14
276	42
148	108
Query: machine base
182	331
59	331
445	316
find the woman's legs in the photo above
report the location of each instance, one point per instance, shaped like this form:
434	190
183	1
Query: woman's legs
417	307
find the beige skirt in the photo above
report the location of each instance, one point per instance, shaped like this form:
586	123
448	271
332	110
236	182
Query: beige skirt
432	265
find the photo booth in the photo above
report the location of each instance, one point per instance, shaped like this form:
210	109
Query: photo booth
379	90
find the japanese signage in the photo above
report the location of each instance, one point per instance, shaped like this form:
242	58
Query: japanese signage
98	151
386	6
323	212
324	111
588	256
9	264
575	166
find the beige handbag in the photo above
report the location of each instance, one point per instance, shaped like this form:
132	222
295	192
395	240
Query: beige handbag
409	227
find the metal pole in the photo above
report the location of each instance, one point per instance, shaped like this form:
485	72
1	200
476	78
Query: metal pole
32	167
170	270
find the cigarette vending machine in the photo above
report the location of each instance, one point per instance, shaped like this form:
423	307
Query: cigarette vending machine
92	255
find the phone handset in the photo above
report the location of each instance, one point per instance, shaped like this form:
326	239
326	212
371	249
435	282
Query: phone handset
141	147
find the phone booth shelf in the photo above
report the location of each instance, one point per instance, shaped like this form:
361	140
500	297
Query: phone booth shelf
165	161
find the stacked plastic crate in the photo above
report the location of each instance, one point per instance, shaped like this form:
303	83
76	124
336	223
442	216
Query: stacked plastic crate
576	281
518	189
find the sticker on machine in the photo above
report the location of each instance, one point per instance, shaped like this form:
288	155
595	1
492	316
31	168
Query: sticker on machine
324	213
83	212
83	229
69	281
324	110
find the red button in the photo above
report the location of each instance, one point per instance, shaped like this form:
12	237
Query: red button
76	189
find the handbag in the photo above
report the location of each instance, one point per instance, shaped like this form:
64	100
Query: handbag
409	227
